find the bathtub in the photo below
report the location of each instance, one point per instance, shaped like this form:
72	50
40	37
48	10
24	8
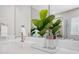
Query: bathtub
14	46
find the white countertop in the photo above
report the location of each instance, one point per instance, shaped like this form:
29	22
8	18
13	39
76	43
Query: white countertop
17	47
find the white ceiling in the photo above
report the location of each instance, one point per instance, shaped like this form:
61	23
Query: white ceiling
39	7
54	9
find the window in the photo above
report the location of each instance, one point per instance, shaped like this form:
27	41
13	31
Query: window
75	26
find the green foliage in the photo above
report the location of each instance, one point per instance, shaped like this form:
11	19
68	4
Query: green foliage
55	26
43	13
46	22
43	23
32	31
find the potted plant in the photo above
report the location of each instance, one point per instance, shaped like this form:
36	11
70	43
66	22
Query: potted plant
47	22
44	22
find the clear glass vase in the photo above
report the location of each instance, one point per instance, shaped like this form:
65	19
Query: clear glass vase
50	43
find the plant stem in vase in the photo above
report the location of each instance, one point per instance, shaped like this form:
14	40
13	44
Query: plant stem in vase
54	36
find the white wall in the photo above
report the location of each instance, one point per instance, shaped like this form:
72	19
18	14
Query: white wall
23	17
7	17
55	9
67	16
14	17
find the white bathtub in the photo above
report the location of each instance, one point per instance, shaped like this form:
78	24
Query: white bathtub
16	47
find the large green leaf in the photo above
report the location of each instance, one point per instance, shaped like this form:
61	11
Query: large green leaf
55	26
57	22
41	33
35	22
38	24
47	23
43	13
49	19
55	29
33	31
40	27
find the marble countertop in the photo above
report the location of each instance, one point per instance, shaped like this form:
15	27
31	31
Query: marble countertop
17	47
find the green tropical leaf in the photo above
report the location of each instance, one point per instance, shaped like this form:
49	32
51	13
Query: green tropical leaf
43	13
33	31
57	22
42	32
49	19
35	22
55	29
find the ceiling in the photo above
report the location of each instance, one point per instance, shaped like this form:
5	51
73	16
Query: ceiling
39	7
55	9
